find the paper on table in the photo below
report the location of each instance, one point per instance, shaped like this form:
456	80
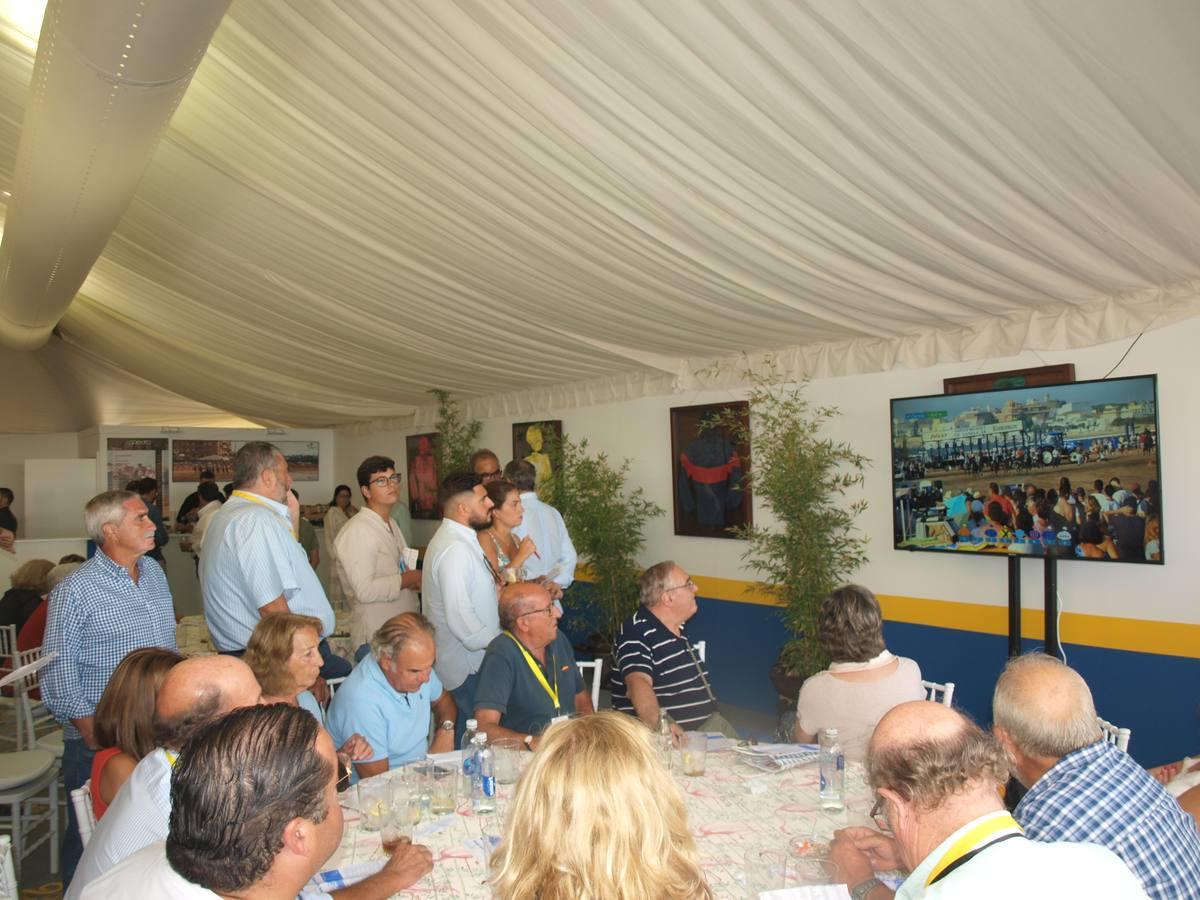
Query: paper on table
809	892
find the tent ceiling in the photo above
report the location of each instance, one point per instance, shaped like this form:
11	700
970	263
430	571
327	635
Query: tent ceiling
556	202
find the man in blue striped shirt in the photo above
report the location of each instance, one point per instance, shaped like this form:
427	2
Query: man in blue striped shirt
657	668
1084	789
115	602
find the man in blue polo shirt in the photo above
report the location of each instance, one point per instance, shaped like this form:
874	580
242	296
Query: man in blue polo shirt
388	697
528	677
656	665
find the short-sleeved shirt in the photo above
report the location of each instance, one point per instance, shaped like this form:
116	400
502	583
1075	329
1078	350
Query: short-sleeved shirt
396	725
646	645
508	685
251	557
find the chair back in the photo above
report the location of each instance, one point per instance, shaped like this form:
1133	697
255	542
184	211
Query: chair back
29	664
85	815
594	665
1114	735
939	693
8	644
334	684
8	877
700	647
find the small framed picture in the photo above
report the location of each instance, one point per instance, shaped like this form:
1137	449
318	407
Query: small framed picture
708	467
423	480
534	442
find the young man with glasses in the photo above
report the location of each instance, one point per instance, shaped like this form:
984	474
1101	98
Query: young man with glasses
528	678
378	581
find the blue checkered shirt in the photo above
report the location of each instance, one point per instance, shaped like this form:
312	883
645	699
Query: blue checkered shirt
97	615
1100	795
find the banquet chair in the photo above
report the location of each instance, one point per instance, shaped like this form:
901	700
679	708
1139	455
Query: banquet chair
933	689
34	712
8	878
595	665
29	777
1114	735
701	646
334	684
85	815
9	699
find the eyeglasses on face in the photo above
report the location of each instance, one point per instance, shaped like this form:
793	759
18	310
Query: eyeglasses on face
384	480
689	584
549	610
879	815
485	477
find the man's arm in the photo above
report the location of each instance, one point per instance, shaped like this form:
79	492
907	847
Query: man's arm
859	853
583	704
368	769
407	865
489	724
444	710
62	689
645	703
279	604
462	618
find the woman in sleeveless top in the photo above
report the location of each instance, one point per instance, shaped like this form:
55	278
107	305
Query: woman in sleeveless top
505	552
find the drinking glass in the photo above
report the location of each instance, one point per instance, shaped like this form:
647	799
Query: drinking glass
374	802
766	870
508	759
443	790
694	752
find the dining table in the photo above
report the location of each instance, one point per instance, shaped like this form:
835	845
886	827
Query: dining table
192	637
732	808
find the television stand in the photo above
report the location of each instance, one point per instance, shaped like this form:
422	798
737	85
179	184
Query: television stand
1050	605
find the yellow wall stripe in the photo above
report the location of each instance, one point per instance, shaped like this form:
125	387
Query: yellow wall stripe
1109	632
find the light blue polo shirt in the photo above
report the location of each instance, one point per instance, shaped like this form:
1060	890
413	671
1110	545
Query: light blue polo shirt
396	725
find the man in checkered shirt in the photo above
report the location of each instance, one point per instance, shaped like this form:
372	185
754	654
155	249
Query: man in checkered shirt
115	602
1084	789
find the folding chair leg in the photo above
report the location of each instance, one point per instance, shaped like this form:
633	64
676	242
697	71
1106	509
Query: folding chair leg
54	838
18	836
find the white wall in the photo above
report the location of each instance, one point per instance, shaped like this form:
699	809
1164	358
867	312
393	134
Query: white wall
639	430
56	491
16	448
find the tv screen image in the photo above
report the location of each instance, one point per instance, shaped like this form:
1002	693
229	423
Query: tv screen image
1070	471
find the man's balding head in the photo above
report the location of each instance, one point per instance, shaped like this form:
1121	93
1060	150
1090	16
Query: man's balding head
520	598
198	690
1043	707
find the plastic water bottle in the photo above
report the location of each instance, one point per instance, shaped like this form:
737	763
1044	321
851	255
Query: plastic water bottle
468	749
483	787
833	771
666	740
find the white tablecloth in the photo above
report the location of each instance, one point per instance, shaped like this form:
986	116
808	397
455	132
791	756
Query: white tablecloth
731	808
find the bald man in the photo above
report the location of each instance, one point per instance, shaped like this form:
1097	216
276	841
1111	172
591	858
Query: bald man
937	780
195	692
1082	788
528	677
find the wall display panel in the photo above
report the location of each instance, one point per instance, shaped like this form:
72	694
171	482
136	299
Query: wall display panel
130	459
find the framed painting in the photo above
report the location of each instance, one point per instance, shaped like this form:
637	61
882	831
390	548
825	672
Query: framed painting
423	478
535	442
707	469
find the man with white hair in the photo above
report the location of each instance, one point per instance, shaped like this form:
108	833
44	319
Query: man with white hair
115	602
1082	788
937	777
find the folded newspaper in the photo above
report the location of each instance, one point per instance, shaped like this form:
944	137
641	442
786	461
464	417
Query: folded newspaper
778	757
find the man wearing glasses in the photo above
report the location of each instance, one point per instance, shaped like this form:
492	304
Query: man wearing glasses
528	678
657	668
486	466
378	581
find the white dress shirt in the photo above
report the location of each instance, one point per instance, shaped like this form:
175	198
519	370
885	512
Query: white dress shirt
460	600
545	525
137	817
145	874
369	551
202	522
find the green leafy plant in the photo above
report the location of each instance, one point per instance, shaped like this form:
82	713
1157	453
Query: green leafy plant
802	477
456	438
607	524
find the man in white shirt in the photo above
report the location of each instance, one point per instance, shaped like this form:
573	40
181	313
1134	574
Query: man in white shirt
195	691
554	563
224	821
210	501
937	779
461	598
370	551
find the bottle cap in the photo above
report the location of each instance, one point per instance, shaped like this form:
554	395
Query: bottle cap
480	738
472	725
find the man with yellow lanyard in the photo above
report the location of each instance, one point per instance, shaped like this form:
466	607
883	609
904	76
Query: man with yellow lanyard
528	677
937	778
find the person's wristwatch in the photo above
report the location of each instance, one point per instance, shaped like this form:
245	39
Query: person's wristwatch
860	890
529	742
447	725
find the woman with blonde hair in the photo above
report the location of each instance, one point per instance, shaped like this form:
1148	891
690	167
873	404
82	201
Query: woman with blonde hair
596	816
124	720
28	589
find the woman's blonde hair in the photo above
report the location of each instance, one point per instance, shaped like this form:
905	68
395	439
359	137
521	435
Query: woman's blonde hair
270	648
125	713
596	816
31	575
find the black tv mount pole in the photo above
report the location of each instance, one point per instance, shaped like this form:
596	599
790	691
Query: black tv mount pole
1050	582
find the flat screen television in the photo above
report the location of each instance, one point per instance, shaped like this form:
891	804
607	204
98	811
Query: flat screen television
1070	471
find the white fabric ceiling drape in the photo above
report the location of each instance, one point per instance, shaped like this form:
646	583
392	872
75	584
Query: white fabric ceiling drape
537	204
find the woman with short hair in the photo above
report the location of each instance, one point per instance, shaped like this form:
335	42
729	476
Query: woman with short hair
596	816
28	588
124	720
863	680
505	552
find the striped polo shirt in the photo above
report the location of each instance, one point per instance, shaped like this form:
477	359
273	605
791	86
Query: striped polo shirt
645	644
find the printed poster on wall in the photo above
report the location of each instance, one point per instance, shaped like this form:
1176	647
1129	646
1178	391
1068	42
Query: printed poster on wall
131	459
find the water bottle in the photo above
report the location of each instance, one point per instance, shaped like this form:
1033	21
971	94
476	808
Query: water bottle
483	788
468	749
666	740
833	772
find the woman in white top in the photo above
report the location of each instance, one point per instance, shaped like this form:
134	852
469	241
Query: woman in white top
340	511
863	680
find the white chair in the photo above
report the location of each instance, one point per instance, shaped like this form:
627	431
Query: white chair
334	684
595	666
700	647
85	815
8	878
29	778
1114	735
33	711
933	689
8	649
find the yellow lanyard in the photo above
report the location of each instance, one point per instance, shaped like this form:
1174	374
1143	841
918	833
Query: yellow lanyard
973	840
171	757
537	671
253	499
